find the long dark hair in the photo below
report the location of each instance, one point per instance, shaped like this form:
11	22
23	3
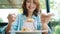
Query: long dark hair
25	12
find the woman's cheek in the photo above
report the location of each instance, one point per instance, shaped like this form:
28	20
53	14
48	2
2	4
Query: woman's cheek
27	5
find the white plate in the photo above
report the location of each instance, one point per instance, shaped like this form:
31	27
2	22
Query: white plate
31	31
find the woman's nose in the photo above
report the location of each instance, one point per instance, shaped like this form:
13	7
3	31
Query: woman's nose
31	4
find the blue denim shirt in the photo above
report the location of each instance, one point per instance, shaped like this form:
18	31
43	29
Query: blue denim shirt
17	25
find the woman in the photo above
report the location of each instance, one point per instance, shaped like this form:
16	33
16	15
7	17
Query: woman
30	10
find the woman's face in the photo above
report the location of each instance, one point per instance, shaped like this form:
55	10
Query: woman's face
30	5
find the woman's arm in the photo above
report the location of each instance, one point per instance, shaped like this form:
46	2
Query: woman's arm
11	18
8	28
45	20
45	27
12	22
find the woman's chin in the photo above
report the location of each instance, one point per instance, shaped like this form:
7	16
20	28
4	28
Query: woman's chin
31	10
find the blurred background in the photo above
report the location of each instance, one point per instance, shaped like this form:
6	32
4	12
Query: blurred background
14	6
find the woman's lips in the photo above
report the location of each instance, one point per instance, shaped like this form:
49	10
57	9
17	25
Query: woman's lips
31	7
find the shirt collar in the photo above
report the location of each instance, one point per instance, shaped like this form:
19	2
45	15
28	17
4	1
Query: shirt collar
34	17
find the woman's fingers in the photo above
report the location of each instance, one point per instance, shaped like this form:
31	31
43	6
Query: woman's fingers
50	14
46	17
11	17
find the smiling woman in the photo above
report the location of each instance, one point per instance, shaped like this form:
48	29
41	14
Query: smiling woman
31	9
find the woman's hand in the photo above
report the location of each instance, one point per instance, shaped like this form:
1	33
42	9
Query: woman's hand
46	17
45	20
11	18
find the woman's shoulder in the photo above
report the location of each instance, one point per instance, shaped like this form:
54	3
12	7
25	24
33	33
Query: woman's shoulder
20	15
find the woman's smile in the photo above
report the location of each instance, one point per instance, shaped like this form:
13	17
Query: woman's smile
30	7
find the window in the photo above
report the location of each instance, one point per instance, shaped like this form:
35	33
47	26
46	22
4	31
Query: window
55	8
43	6
4	13
10	3
9	6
